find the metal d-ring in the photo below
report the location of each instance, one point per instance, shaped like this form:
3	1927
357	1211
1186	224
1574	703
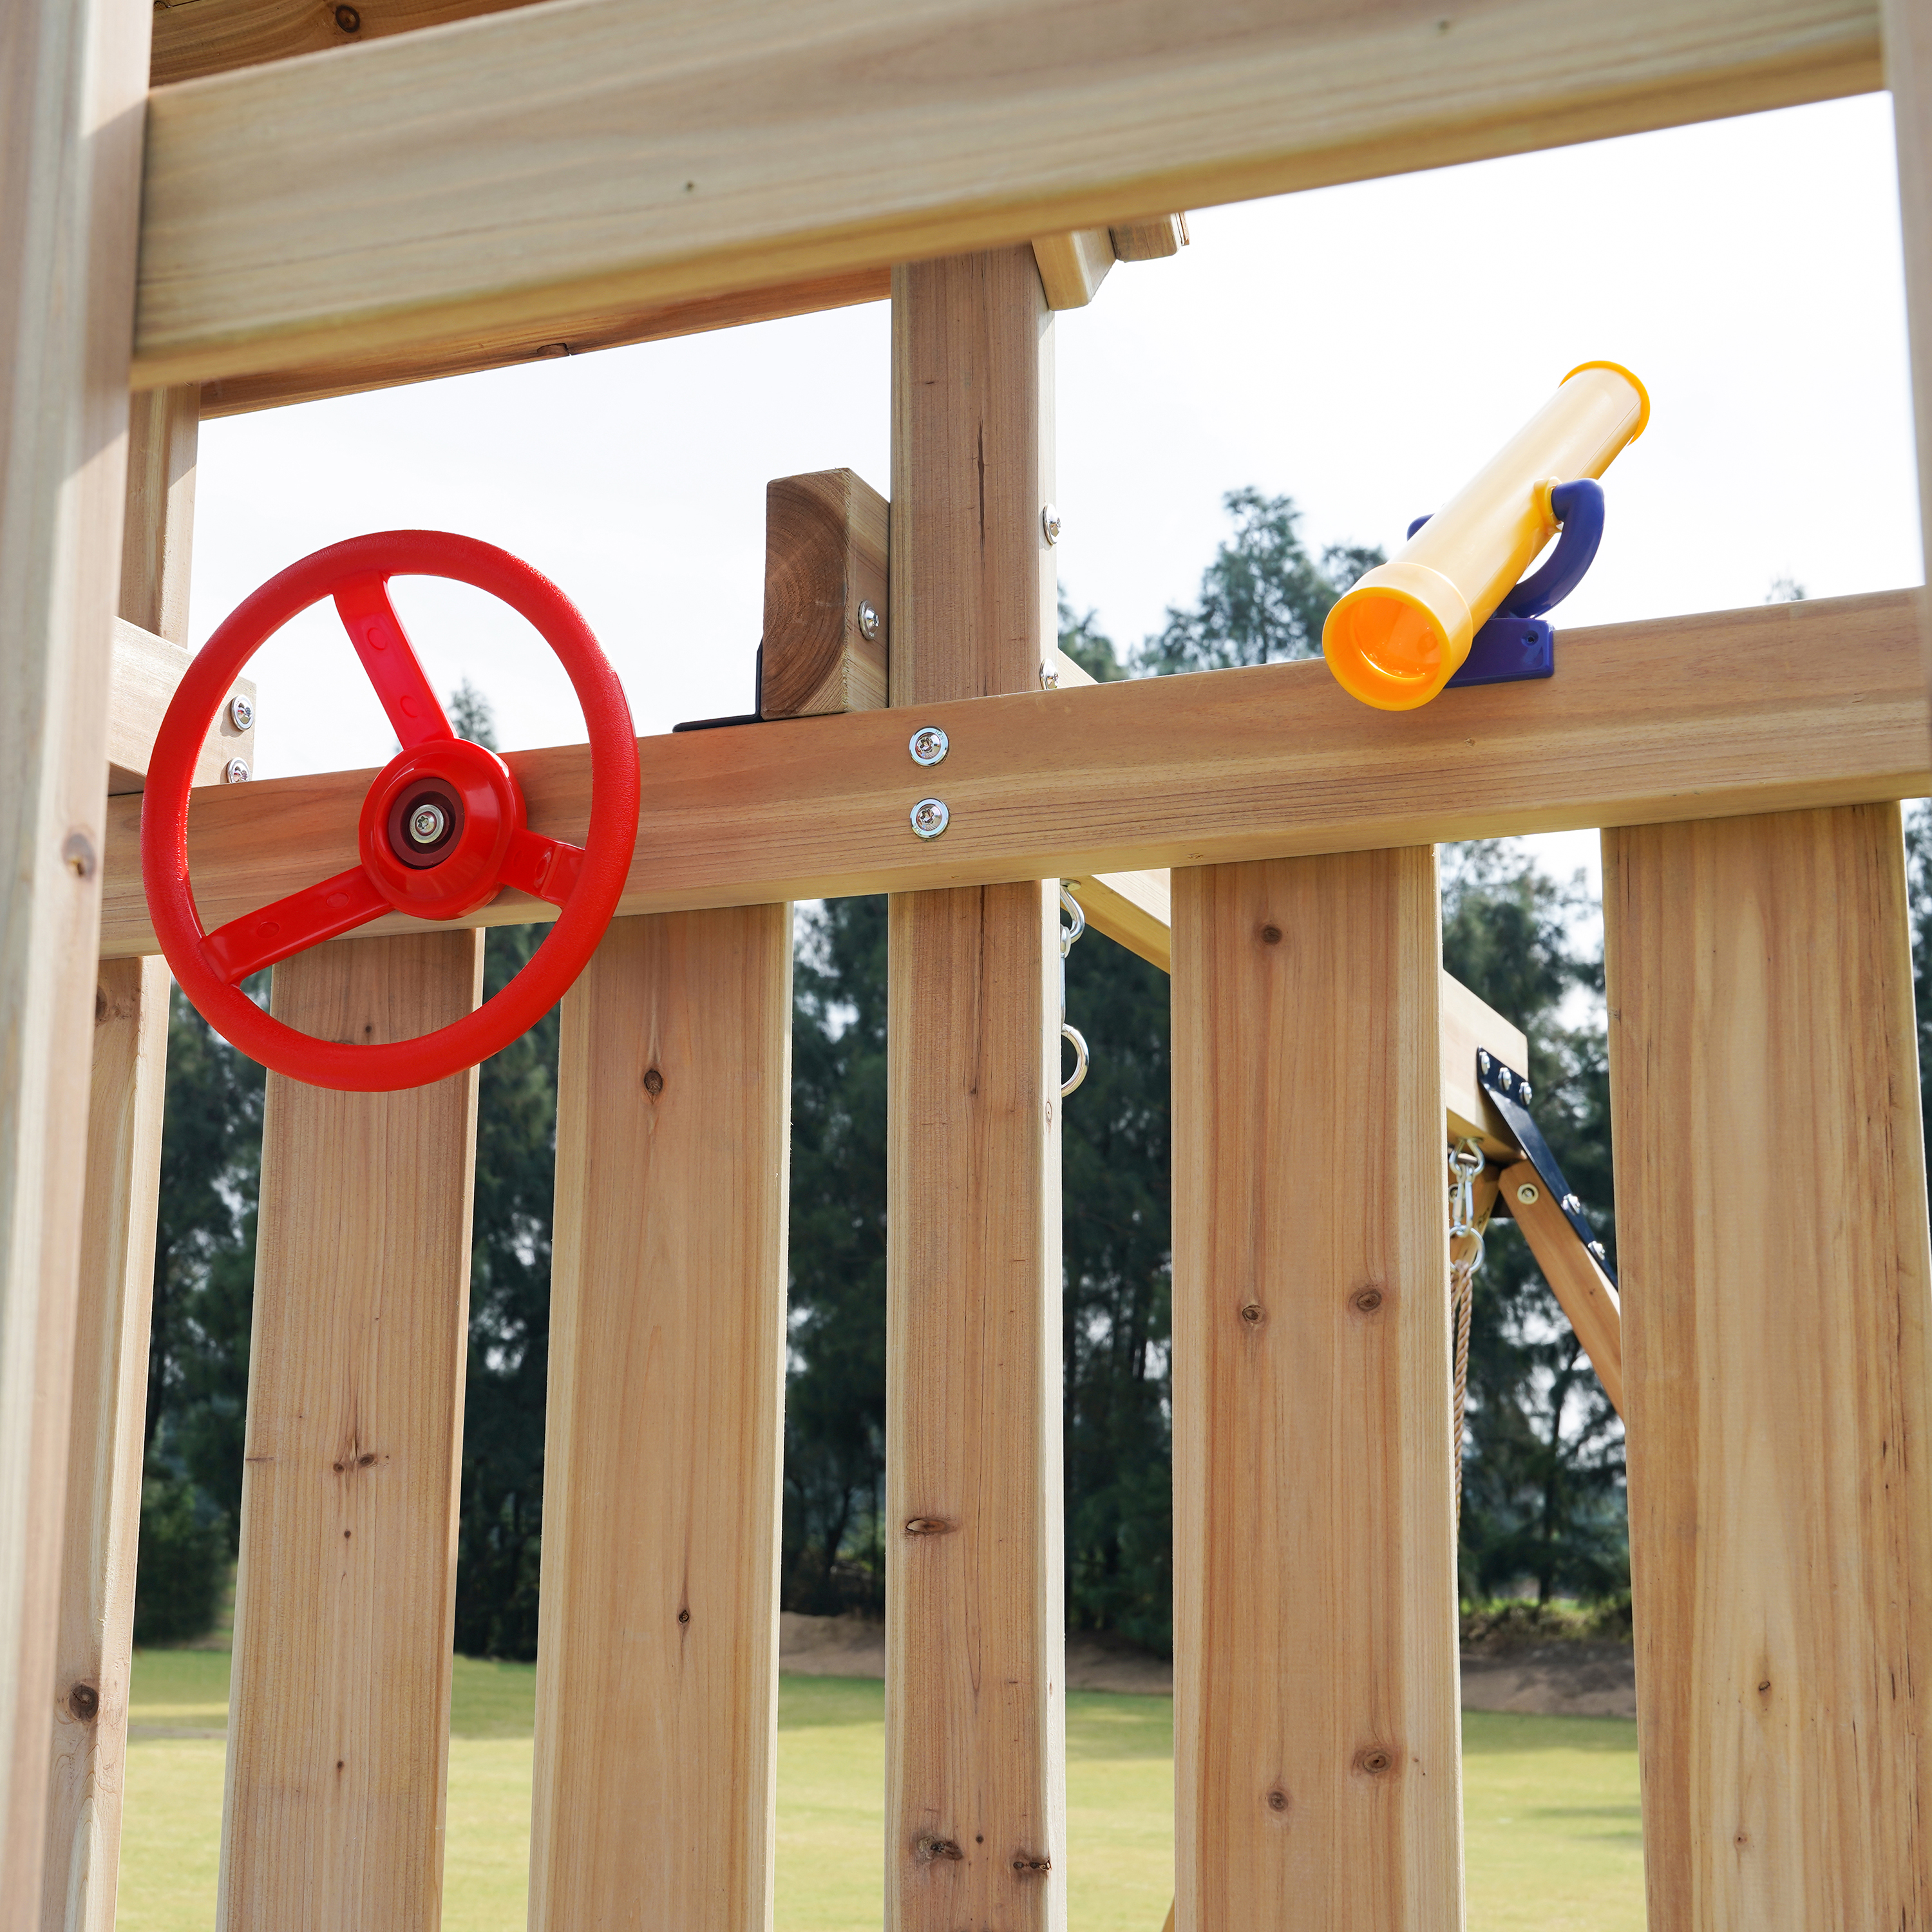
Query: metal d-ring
1080	1057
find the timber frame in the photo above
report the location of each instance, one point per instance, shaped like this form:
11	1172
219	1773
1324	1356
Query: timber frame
228	205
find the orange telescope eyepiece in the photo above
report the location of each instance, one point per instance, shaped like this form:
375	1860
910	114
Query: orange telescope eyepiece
1400	635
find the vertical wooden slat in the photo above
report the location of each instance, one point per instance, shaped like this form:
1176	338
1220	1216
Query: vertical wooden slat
1771	1231
103	1494
164	431
73	78
1317	1758
339	1726
1907	26
657	1685
975	1686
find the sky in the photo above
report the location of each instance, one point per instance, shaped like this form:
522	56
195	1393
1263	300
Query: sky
1363	348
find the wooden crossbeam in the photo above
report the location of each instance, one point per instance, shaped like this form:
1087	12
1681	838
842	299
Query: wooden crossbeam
1768	709
536	167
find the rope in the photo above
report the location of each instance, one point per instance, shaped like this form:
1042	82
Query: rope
1466	1163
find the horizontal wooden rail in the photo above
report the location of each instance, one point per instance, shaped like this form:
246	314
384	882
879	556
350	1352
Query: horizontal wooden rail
141	681
539	169
1767	710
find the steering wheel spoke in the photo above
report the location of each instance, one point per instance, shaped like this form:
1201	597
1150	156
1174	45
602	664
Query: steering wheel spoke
325	910
390	659
546	868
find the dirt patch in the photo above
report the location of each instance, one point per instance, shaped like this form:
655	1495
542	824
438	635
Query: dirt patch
1568	1679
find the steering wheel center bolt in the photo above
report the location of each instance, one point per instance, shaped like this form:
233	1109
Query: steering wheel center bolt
930	817
929	745
426	824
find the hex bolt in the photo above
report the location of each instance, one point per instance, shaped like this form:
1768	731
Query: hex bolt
241	713
930	817
235	772
929	745
1597	1249
1049	523
868	622
1571	1205
1049	675
426	824
1528	1194
1482	1061
1524	1090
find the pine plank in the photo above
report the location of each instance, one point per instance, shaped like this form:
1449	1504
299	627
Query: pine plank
1908	73
825	557
143	674
1643	722
103	1481
72	74
1772	1235
975	1673
196	38
1317	1751
657	1686
1072	266
339	1727
523	167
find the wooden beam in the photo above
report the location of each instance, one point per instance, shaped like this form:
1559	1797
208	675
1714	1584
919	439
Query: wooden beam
1643	722
1777	1293
1582	1290
104	1463
1317	1754
1908	73
657	1670
975	1673
143	676
825	570
72	77
1150	241
544	163
195	38
338	1741
549	336
1470	1024
1072	266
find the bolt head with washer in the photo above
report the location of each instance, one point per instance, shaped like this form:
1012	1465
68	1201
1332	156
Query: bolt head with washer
930	817
1528	1194
868	622
241	713
929	745
426	824
1049	523
235	772
1049	675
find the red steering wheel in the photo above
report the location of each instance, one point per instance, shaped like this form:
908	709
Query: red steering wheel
442	828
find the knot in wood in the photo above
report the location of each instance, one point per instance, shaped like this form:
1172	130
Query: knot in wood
83	1699
349	20
1366	1300
653	1082
1029	1866
1254	1314
1374	1760
1277	1799
684	1615
929	1849
1270	935
929	1525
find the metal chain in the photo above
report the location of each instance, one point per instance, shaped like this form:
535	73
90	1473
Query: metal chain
1466	1163
1071	907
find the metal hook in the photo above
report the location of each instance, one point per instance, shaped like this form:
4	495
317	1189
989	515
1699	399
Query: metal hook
1080	1057
1068	934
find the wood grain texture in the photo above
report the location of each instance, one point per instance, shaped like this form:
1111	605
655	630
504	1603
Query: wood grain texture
1771	1232
1150	241
657	1678
72	79
547	162
559	331
144	671
163	432
1582	1290
1316	1749
338	1736
194	37
1908	73
825	555
104	1482
1317	1752
1072	266
1643	722
975	1649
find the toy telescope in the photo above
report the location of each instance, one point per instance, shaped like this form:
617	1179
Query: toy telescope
1406	628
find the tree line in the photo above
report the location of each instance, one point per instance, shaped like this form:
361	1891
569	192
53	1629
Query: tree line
1543	1470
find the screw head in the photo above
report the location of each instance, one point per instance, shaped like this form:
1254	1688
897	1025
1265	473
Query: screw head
930	817
235	772
1571	1205
1049	675
1597	1249
1049	523
1482	1061
929	745
241	713
426	824
868	621
1524	1090
1528	1194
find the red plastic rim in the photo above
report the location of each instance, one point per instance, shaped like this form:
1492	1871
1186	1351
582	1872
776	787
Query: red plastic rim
489	848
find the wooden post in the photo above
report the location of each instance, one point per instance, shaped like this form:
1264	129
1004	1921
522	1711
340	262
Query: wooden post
1771	1230
73	77
1908	73
110	1371
338	1737
1317	1757
975	1687
657	1686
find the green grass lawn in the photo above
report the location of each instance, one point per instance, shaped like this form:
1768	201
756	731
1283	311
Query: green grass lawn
1551	1805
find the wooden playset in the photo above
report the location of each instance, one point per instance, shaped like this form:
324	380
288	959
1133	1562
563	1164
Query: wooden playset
227	205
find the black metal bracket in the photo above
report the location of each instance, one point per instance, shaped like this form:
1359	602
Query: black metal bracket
756	716
1510	1092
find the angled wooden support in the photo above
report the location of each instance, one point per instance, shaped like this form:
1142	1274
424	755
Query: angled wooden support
1317	1757
1582	1290
657	1672
338	1744
1776	1295
73	76
975	1684
1072	266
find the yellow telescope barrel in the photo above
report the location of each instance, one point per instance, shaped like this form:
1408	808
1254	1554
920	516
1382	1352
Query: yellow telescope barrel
1397	637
